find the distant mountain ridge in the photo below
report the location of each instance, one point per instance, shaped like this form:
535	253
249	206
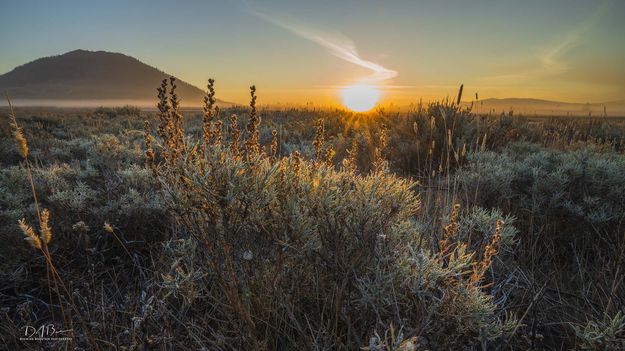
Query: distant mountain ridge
542	101
92	76
547	107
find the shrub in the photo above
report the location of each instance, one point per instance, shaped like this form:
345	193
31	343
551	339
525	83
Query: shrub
584	186
292	248
607	334
291	254
570	206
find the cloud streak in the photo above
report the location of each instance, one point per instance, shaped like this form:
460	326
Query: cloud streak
335	43
550	60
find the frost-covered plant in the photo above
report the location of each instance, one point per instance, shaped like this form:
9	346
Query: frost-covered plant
76	199
308	249
108	152
322	242
569	205
478	225
582	184
606	334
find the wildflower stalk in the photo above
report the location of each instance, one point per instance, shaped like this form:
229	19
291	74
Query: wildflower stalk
217	134
329	155
350	162
380	165
252	146
207	118
177	120
318	142
450	230
273	149
490	251
235	134
165	128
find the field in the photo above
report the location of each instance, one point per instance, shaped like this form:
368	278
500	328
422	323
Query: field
250	228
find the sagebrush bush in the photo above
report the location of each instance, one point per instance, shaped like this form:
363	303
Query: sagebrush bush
583	184
297	254
606	334
295	250
100	182
570	206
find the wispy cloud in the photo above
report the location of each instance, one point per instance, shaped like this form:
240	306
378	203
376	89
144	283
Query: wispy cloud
335	43
552	58
551	61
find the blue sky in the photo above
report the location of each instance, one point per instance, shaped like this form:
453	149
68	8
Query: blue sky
298	51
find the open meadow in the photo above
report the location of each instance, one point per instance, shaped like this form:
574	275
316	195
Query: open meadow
253	228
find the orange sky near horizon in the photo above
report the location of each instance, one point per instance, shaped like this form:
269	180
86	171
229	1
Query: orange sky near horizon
305	52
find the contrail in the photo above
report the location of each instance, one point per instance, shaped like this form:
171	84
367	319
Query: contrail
336	44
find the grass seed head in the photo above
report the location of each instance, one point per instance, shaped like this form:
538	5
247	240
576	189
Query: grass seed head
22	144
29	233
108	227
46	231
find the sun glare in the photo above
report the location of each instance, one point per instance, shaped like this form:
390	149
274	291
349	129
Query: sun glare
360	97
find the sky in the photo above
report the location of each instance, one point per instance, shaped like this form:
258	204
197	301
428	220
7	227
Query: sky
306	51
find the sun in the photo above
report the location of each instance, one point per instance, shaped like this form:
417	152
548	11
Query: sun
360	97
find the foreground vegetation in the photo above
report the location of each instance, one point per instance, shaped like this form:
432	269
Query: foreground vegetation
435	229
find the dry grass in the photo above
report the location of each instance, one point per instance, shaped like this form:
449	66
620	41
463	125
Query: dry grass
315	230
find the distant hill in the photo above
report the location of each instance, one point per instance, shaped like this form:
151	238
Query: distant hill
91	78
546	107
